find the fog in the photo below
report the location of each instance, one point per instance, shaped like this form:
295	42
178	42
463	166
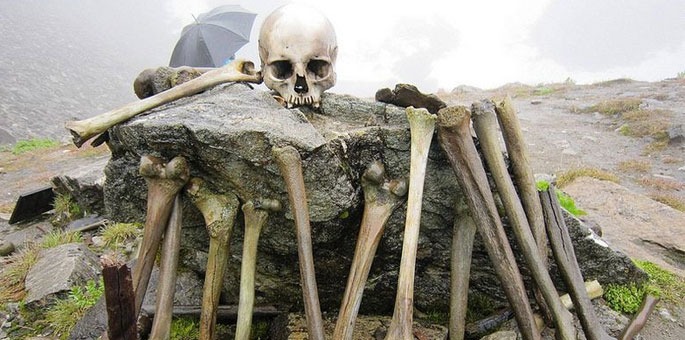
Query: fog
65	59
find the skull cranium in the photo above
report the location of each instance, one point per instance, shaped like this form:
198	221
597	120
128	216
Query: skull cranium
298	48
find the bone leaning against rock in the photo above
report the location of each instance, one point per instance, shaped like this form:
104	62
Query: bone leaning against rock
227	134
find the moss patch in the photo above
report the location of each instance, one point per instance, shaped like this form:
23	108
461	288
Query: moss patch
24	146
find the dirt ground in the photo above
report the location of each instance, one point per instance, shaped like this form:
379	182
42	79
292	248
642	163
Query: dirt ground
560	135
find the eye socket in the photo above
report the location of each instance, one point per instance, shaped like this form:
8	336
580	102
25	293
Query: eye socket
283	69
320	68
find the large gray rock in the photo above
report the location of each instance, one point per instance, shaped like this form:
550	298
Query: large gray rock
60	268
227	134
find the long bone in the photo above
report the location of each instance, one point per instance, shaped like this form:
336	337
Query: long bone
525	183
255	214
422	125
485	124
463	234
290	166
237	71
163	181
455	138
565	257
161	325
219	212
381	198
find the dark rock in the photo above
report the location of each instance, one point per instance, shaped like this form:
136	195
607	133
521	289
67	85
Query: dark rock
676	134
60	268
93	324
227	134
406	95
84	184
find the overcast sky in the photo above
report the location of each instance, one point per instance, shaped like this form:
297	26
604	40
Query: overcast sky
438	44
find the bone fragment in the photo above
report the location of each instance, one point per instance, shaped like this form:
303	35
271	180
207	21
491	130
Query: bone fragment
163	181
593	290
456	140
381	198
237	71
463	234
161	326
405	95
640	319
290	166
565	256
422	125
485	124
255	218
219	212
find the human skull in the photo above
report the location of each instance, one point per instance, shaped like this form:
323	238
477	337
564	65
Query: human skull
298	48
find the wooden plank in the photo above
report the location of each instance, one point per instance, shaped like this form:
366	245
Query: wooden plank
120	300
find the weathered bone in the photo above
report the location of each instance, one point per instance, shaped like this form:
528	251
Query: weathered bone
485	124
565	257
164	181
381	198
463	234
640	318
525	183
161	326
255	218
237	71
219	212
455	139
422	125
290	166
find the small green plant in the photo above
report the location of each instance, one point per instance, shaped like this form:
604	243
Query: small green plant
184	328
66	210
24	146
624	298
66	312
58	238
565	200
118	233
662	283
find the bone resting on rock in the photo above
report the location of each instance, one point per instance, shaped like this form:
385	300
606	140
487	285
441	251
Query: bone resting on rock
456	141
562	249
422	125
219	212
485	124
237	71
290	166
255	218
161	325
164	181
381	198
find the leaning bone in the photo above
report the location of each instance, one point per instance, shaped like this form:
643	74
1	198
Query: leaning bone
255	218
463	234
237	71
161	325
219	212
455	139
565	257
381	198
485	125
640	318
422	125
290	166
164	181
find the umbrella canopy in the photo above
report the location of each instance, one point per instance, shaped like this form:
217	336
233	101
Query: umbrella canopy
213	38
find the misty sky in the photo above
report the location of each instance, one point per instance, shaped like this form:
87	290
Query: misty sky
432	44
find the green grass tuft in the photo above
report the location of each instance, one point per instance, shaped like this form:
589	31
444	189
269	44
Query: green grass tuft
569	176
615	106
24	146
118	233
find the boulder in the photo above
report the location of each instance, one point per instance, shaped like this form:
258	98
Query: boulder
60	268
227	134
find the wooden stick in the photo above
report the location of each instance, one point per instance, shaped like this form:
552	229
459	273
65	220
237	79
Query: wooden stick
161	325
238	70
456	140
485	124
463	234
120	300
562	248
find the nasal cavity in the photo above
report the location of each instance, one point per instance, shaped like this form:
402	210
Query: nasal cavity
301	85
